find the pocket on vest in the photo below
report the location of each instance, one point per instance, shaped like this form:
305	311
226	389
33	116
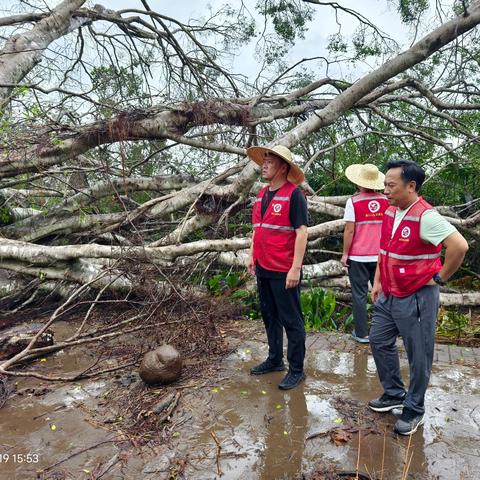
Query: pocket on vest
405	272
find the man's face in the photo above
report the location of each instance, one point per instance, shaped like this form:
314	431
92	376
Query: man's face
398	192
272	166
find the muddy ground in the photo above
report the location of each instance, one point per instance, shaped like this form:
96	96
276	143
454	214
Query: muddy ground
219	422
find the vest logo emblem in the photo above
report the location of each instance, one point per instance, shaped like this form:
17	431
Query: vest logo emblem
405	232
277	207
374	206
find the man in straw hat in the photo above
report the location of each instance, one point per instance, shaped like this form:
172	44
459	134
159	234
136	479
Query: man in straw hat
279	219
406	291
361	239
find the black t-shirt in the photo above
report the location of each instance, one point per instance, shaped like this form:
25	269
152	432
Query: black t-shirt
298	217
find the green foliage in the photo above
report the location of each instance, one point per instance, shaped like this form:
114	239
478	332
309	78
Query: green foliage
411	10
459	6
337	44
6	216
20	91
365	45
318	307
244	28
451	323
224	283
218	284
345	317
289	17
115	85
250	300
240	228
34	113
54	139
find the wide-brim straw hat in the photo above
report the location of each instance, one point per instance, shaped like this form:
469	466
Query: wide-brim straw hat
257	154
366	176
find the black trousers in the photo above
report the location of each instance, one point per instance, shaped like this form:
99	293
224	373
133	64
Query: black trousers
281	309
359	274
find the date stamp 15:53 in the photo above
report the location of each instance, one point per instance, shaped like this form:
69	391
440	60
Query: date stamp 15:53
17	458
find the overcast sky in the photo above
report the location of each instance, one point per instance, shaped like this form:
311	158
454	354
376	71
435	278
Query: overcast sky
381	12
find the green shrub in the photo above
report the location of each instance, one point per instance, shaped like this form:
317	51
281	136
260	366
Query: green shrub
451	323
221	282
250	301
318	307
228	284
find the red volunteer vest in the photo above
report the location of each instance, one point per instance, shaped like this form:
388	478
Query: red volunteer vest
274	240
369	208
407	262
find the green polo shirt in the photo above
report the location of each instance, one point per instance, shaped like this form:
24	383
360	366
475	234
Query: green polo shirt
434	228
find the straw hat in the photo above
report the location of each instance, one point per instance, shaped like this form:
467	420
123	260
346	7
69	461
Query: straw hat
257	154
366	176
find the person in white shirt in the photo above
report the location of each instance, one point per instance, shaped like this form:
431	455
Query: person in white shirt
361	239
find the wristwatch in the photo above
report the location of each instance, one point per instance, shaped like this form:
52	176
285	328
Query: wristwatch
438	279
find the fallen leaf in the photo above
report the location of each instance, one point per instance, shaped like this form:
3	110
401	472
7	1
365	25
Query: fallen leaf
264	392
247	350
53	427
285	432
85	470
215	390
43	359
243	392
340	437
338	420
175	434
278	406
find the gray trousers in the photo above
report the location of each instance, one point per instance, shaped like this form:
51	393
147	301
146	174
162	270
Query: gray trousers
359	274
414	319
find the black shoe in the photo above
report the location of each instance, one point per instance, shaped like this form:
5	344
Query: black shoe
266	367
386	403
291	380
409	422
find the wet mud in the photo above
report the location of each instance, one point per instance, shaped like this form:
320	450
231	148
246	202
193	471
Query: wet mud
237	426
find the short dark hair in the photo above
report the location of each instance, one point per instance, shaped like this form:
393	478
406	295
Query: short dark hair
411	171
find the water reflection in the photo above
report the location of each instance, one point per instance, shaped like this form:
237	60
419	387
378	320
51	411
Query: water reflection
285	437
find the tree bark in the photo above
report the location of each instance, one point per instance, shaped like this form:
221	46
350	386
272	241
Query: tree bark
22	52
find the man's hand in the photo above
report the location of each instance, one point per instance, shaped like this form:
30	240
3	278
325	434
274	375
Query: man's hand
251	265
344	260
293	277
376	291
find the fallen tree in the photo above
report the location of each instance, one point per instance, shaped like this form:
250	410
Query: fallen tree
90	188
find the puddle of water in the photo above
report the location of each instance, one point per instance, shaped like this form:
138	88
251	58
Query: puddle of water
52	426
262	429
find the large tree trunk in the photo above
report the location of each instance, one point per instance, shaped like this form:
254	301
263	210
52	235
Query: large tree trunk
22	52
